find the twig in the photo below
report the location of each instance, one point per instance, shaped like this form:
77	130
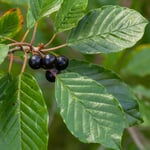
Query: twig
53	48
14	50
12	40
11	61
135	136
34	34
20	44
101	148
51	40
25	62
25	35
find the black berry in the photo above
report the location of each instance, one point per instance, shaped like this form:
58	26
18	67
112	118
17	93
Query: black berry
62	62
48	61
35	61
50	76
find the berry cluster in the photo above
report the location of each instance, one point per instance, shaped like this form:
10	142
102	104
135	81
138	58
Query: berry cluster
51	63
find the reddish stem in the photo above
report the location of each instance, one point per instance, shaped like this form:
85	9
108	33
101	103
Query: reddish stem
25	35
34	34
25	62
53	48
11	62
51	40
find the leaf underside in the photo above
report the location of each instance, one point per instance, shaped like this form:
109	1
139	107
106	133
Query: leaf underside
23	116
114	86
89	112
107	29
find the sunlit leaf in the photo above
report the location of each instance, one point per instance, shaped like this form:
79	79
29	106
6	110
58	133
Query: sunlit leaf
69	14
90	113
3	52
43	8
107	29
114	86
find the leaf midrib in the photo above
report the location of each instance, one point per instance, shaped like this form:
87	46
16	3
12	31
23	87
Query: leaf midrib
100	35
77	99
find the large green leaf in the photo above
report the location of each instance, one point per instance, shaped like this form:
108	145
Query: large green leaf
107	29
114	86
42	8
139	63
89	112
10	23
69	14
23	116
3	52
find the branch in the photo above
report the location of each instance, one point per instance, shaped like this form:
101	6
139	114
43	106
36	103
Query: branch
53	48
51	40
11	61
9	39
25	62
137	137
14	50
34	34
25	35
20	44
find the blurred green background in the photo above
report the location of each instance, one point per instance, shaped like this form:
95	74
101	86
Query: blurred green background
132	65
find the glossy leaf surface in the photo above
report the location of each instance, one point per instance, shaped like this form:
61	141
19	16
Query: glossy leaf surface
114	86
90	113
107	29
42	8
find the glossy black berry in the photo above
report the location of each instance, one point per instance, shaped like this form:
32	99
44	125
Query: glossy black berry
48	61
50	76
35	61
62	62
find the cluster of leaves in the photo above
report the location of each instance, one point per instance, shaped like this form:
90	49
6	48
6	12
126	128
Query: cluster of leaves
95	104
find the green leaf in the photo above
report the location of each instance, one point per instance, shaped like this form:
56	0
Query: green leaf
3	52
89	112
139	63
114	86
69	14
107	29
23	116
109	2
18	2
4	80
43	8
30	19
10	23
